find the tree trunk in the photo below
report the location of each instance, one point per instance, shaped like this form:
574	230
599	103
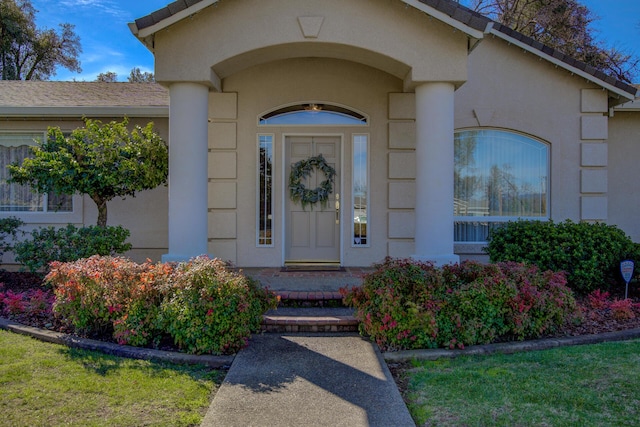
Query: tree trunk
102	210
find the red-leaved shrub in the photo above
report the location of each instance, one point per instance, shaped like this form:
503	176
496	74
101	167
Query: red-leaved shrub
34	304
201	304
598	299
97	295
405	304
623	309
600	307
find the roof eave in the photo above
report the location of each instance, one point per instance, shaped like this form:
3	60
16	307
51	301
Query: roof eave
166	17
621	93
148	42
80	111
629	106
443	17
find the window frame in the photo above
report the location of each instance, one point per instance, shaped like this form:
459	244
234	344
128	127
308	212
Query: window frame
353	197
309	106
46	216
259	189
495	219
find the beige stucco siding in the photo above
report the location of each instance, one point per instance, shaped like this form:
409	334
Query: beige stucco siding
231	36
623	157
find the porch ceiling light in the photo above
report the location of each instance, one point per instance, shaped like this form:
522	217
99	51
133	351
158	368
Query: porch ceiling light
313	107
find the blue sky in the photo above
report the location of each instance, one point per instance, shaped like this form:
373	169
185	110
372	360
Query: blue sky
107	42
108	45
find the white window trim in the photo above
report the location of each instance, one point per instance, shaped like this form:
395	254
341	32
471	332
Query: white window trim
368	208
51	217
47	217
273	165
493	220
505	219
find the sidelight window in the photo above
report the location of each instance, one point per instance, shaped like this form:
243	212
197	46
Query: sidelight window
265	190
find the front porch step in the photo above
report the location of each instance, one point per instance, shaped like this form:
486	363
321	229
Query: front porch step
311	319
310	299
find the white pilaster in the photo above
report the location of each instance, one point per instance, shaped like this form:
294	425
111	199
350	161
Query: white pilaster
188	156
434	175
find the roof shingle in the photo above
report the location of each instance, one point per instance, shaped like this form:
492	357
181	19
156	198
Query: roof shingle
81	94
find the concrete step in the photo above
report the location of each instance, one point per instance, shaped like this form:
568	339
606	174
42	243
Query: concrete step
309	319
310	299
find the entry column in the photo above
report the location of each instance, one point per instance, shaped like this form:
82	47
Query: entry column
434	176
188	110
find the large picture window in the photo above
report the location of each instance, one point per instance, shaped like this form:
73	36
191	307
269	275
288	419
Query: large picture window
14	148
499	176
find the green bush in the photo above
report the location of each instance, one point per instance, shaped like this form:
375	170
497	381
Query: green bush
69	244
8	231
405	304
212	309
589	253
202	305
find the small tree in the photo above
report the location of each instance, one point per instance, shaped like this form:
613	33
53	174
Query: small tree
107	77
135	76
101	160
31	53
138	76
562	25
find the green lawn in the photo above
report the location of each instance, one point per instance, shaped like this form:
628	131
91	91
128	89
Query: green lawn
595	385
44	384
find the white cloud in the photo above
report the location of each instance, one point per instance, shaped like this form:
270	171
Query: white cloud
100	54
99	6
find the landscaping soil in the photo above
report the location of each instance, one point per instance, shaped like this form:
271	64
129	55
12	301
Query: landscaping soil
20	281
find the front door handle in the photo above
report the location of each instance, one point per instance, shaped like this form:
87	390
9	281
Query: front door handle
337	208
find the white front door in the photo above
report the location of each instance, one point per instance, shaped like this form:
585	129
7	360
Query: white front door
313	232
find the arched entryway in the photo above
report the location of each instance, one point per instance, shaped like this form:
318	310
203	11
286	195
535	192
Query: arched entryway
221	40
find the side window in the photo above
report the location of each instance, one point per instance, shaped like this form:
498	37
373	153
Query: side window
14	148
499	176
360	190
265	192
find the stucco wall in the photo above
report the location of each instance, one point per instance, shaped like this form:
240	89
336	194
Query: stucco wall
388	35
623	155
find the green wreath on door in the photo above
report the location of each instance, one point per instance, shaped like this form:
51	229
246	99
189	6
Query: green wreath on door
302	170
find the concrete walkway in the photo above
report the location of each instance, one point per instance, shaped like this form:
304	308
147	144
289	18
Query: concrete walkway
308	380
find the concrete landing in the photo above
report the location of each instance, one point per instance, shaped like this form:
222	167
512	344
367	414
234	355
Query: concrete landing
308	380
277	280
